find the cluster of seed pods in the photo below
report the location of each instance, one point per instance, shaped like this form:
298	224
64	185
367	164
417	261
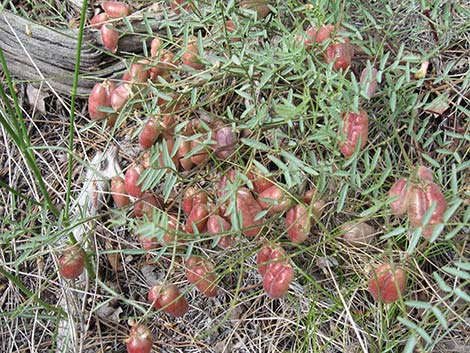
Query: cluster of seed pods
112	10
200	141
339	52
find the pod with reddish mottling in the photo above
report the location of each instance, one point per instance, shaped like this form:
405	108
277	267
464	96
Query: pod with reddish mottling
168	298
139	71
197	218
249	209
275	200
260	181
191	57
146	205
201	155
420	201
131	179
387	283
269	254
162	65
355	130
317	35
183	150
118	192
298	223
116	9
72	262
193	196
100	96
200	272
339	53
98	20
369	82
150	133
217	225
276	270
140	339
225	142
109	37
277	279
120	96
399	189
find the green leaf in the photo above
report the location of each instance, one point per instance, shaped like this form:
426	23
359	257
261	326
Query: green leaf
255	144
440	317
461	294
441	283
342	197
394	232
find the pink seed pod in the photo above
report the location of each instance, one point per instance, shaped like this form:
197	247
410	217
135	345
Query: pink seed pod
225	142
277	279
100	96
340	53
149	243
317	204
155	46
317	35
183	150
109	37
172	227
276	270
387	283
162	65
260	181
190	56
399	189
217	225
434	194
275	200
98	20
417	205
120	96
118	192
248	208
168	298
269	254
131	179
146	205
193	196
140	339
424	173
72	262
197	217
369	82
139	71
116	9
201	156
298	223
420	201
355	128
150	133
200	271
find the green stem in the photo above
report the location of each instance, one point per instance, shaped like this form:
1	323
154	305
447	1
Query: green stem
72	105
